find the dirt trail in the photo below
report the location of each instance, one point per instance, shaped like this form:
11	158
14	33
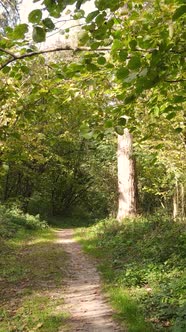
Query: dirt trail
87	306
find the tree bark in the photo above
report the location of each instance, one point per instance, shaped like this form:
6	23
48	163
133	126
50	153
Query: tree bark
127	205
182	201
175	200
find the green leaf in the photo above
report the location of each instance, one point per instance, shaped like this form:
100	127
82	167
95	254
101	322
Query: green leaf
84	127
171	115
35	16
94	45
119	130
159	146
108	124
48	23
178	130
122	121
54	7
8	30
123	55
117	45
92	67
129	99
179	99
6	69
20	30
134	62
122	73
179	12
156	111
16	135
83	37
100	33
79	14
168	109
100	19
85	131
133	44
78	4
75	67
91	16
39	34
25	69
101	60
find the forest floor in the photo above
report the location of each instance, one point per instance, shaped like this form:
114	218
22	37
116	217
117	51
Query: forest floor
49	280
47	284
84	300
32	269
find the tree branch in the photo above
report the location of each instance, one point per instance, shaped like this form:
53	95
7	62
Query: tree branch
176	81
61	48
8	52
58	29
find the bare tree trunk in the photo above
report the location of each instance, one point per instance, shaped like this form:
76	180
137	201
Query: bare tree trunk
126	177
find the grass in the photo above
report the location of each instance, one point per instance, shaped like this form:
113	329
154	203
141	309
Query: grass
142	262
32	268
128	309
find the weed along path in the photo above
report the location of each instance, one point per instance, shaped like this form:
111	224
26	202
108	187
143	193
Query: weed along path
84	301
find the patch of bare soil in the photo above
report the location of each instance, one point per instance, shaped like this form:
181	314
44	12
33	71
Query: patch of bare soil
84	301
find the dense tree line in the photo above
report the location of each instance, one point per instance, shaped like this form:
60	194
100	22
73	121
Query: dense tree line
58	114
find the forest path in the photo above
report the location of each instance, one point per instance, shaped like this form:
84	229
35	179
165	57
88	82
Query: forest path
83	299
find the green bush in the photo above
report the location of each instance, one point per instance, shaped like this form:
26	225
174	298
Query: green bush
13	219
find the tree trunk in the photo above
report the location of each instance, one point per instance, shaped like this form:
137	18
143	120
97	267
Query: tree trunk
182	201
126	177
175	201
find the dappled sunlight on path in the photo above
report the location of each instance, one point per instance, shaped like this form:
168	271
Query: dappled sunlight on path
87	306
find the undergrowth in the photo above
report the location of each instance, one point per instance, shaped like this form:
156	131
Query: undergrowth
143	264
13	221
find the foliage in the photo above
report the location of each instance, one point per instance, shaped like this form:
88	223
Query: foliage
57	122
13	220
55	111
143	259
49	159
53	144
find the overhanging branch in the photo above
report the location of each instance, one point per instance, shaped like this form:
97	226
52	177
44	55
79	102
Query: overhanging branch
15	57
8	52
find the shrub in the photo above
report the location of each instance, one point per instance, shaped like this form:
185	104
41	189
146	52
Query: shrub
13	219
